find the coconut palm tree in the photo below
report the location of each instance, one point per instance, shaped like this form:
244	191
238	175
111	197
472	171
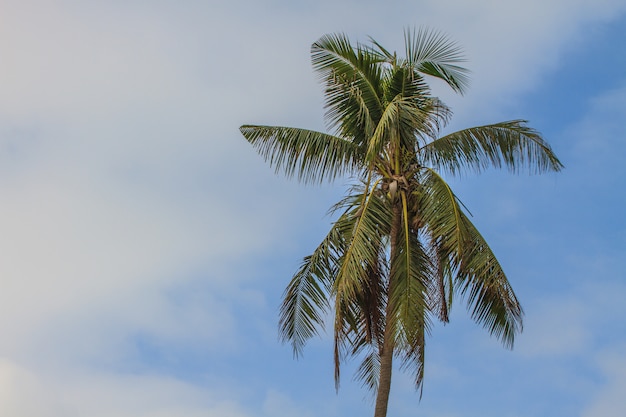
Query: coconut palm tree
403	245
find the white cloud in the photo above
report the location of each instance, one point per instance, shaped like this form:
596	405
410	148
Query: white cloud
609	399
556	327
24	392
279	405
600	134
510	45
574	324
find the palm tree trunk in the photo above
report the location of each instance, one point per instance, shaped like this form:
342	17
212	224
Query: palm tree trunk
386	353
384	382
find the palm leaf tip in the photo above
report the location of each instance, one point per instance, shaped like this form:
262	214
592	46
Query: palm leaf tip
304	304
510	144
308	155
432	53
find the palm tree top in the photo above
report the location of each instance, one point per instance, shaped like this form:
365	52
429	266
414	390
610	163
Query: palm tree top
366	88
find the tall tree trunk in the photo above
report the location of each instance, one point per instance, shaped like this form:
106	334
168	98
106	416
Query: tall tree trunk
386	353
384	381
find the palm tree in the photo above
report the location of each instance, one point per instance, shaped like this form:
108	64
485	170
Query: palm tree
402	246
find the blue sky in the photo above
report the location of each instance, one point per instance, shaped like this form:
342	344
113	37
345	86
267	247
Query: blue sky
146	246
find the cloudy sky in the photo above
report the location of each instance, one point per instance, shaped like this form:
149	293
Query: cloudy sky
145	246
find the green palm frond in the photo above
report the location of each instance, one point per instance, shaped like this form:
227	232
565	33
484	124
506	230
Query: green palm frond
305	300
401	81
442	218
418	120
364	231
357	284
412	269
359	322
304	304
386	131
412	272
421	115
310	156
413	353
477	272
402	121
352	77
432	53
489	294
345	102
512	144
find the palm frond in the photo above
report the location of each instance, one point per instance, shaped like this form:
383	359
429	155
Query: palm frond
413	353
419	114
401	81
432	53
364	231
489	294
367	331
308	155
359	323
368	371
305	300
441	217
386	131
512	144
358	282
352	78
418	120
441	288
465	253
412	272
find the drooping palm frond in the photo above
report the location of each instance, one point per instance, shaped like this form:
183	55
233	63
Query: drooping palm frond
441	287
411	272
306	298
358	286
364	231
308	155
490	296
303	307
413	353
441	217
466	255
368	371
511	144
359	326
432	53
359	323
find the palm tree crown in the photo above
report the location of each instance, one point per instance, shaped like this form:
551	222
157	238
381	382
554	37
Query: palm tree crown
402	245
